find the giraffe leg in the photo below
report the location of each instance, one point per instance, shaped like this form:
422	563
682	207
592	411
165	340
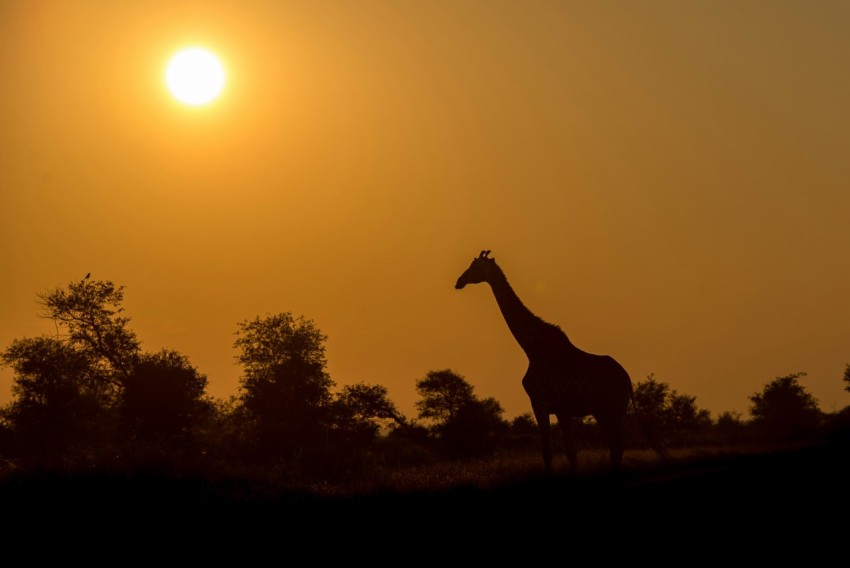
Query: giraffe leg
614	431
616	451
542	418
569	442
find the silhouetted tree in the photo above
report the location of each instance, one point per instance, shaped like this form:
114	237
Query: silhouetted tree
684	418
523	432
58	401
7	438
90	312
362	410
837	427
66	385
651	397
475	429
227	433
650	402
359	414
92	381
730	428
442	393
285	389
784	409
163	400
524	425
90	393
463	424
669	414
408	443
837	424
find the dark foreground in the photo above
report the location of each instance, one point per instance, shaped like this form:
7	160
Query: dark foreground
768	503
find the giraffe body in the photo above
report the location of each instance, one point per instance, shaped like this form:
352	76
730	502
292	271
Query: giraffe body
561	379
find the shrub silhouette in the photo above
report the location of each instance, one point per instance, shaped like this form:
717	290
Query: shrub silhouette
285	390
163	400
785	410
90	397
58	406
463	424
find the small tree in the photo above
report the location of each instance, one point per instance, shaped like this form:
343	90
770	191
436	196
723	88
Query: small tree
58	402
90	312
684	416
523	433
285	389
66	385
650	403
163	399
464	424
369	403
265	343
524	425
650	397
443	394
475	430
359	413
91	387
838	423
362	410
784	409
668	413
730	427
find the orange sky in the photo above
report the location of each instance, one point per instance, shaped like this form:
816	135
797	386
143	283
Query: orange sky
666	180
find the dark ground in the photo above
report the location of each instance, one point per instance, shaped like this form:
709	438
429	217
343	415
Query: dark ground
775	505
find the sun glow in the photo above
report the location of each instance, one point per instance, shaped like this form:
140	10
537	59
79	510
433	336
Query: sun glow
195	76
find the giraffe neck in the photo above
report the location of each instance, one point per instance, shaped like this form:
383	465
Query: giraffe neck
532	333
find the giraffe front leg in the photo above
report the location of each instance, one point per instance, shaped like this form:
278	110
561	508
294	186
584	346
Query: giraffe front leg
542	418
569	442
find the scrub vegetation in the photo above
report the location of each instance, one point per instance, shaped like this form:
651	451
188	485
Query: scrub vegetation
90	403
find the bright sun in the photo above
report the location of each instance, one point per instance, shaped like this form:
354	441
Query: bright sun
194	76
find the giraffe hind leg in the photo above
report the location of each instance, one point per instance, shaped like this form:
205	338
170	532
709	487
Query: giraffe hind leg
614	432
616	451
569	442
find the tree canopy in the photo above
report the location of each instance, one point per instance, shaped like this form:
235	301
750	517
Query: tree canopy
91	387
443	393
285	389
464	424
91	314
785	409
90	392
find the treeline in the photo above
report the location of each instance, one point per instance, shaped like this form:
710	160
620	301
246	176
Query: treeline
90	397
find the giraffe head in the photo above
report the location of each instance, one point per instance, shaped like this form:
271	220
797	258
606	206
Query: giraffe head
480	270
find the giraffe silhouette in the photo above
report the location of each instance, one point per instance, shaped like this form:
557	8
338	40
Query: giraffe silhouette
561	378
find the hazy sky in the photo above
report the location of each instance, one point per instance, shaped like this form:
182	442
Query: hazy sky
666	180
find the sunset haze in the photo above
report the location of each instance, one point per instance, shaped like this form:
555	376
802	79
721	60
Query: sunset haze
666	181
